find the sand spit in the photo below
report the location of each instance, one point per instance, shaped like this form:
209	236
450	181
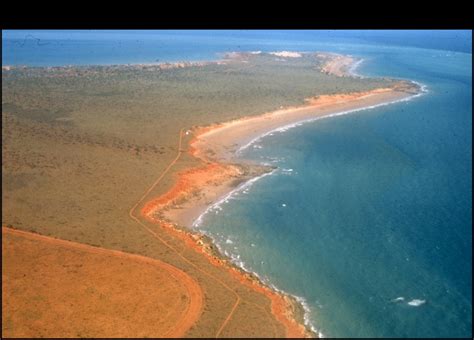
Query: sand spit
197	188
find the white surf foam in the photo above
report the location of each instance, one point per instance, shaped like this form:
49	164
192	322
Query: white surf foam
306	317
217	205
235	259
288	172
352	69
398	299
416	302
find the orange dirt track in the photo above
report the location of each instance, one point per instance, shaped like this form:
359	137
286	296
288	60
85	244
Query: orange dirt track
179	316
279	305
135	218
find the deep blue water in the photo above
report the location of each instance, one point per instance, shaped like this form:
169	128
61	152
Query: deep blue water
58	48
363	208
376	207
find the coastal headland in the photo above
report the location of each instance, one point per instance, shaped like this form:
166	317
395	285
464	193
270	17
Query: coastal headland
130	170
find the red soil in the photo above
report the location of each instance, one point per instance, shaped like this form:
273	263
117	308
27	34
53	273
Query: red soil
188	181
92	261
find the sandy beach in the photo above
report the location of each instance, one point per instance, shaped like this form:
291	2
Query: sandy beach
216	146
196	189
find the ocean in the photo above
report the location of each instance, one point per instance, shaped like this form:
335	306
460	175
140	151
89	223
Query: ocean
110	47
367	218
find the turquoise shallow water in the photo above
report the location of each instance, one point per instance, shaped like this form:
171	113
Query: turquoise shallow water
368	216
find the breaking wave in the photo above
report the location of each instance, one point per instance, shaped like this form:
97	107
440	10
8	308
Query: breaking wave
217	205
416	302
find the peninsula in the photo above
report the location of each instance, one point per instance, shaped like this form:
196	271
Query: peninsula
120	162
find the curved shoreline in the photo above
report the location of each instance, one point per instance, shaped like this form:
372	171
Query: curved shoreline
199	189
299	123
225	188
